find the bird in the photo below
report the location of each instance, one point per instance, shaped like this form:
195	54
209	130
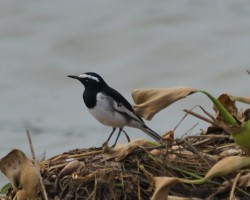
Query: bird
109	107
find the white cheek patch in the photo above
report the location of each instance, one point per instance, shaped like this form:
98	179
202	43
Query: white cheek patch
89	76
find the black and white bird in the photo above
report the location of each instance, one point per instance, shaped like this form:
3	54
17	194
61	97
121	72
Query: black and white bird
109	107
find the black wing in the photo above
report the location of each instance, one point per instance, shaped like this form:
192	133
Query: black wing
121	104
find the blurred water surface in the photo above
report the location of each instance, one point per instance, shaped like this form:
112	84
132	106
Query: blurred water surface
132	44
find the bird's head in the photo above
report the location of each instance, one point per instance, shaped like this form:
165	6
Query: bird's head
90	80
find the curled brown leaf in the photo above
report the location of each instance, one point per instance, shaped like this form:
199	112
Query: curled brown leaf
148	102
120	151
21	172
228	165
69	168
162	186
244	180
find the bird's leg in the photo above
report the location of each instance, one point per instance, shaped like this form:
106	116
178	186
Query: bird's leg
126	135
120	130
110	135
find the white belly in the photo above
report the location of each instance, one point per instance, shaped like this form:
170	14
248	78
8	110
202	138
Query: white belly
103	112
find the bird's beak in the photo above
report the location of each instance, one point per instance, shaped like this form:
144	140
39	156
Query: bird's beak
74	77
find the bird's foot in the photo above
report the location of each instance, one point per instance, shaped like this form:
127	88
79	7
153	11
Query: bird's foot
105	144
113	145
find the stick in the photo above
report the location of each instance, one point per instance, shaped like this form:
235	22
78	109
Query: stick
234	186
194	150
37	168
200	117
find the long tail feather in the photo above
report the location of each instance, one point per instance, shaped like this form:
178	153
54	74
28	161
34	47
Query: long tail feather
151	133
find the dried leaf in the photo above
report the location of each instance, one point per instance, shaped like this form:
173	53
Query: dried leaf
21	194
11	166
148	102
120	151
230	152
240	99
228	165
181	198
21	172
168	137
162	185
246	114
156	152
244	181
69	168
4	198
223	167
226	116
228	103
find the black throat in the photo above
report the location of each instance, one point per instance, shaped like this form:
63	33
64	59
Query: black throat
89	98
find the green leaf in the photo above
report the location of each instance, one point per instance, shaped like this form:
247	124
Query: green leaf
241	136
226	116
5	188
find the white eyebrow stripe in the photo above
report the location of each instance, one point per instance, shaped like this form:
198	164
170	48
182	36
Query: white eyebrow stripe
89	76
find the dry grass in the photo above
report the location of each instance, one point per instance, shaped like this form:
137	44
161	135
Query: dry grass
93	177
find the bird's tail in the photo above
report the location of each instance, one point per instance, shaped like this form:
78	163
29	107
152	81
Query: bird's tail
151	133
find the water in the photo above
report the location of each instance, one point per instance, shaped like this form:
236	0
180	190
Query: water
132	44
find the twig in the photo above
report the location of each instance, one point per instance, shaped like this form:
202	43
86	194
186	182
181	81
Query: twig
234	186
139	190
183	118
209	115
213	136
200	117
180	121
194	150
189	130
37	168
201	142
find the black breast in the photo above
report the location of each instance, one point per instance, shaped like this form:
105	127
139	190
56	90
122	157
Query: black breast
89	98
